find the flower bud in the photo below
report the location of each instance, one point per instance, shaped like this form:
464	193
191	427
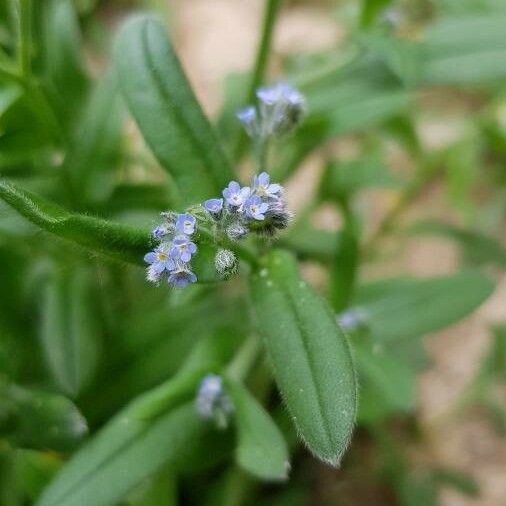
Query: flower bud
236	231
226	263
212	403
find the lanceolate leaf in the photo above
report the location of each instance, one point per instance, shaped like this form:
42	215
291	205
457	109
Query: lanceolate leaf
153	430
95	148
167	112
262	449
310	356
43	420
60	50
113	239
69	332
407	308
120	456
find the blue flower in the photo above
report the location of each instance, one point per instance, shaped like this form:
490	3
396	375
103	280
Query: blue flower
181	276
182	248
280	93
248	117
235	195
185	223
212	402
281	108
214	206
255	208
263	188
160	260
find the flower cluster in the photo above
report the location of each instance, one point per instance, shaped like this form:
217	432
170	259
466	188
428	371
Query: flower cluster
212	403
171	258
258	208
280	109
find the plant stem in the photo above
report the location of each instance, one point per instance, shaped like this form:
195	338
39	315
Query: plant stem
272	8
244	252
244	359
24	37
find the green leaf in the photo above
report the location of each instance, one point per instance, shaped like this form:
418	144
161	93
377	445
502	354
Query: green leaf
94	150
158	490
371	9
34	470
122	454
310	356
345	266
311	243
477	248
344	178
8	96
465	50
167	112
44	420
408	308
392	381
262	449
113	239
69	332
153	430
60	52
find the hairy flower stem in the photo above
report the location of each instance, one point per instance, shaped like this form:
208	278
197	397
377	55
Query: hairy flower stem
272	8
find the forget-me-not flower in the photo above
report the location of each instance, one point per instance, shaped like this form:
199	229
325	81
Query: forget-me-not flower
281	107
160	260
235	195
182	248
214	206
255	208
280	93
185	223
263	188
181	276
248	117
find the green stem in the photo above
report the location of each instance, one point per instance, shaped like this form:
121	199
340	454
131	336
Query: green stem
244	252
24	37
272	8
244	359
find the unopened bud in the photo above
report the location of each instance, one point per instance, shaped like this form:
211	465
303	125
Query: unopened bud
226	263
236	231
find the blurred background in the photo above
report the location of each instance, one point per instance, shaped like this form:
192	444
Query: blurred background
447	115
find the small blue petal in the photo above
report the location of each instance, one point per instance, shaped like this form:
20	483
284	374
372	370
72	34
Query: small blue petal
150	257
